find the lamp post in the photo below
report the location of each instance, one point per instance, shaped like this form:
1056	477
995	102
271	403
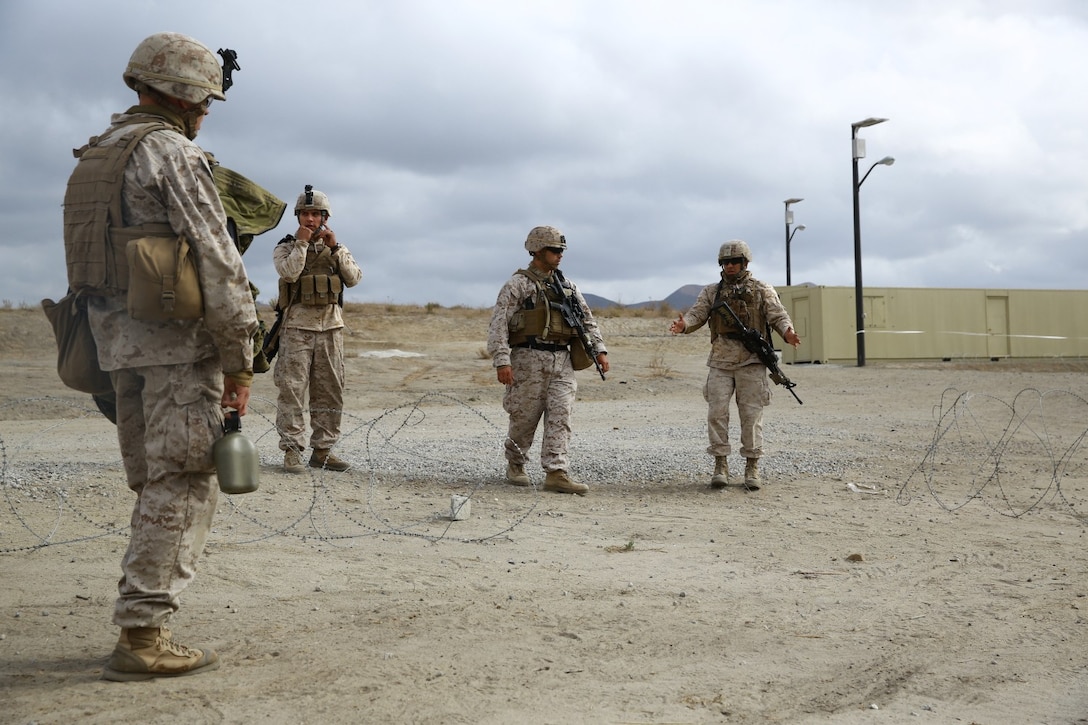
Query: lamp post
789	236
798	228
858	152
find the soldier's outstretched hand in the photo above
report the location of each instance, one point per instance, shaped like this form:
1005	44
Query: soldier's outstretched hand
678	325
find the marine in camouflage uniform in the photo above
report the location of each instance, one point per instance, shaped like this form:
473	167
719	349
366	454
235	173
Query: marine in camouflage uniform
314	269
735	370
531	348
171	378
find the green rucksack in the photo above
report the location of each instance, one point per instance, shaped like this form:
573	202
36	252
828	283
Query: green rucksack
251	211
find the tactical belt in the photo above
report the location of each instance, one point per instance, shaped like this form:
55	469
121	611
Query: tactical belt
534	345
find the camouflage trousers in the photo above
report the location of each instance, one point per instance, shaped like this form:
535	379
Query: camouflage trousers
751	387
310	365
544	387
168	419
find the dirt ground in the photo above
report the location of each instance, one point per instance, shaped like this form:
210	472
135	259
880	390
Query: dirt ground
917	552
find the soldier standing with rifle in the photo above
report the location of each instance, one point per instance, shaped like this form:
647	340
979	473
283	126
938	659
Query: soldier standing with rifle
541	331
737	307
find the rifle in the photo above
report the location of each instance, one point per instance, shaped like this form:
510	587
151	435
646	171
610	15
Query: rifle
574	316
754	342
271	343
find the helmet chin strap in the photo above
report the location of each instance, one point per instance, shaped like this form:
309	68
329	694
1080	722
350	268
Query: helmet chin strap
190	118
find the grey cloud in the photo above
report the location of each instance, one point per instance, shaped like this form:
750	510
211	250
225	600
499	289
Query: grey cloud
648	131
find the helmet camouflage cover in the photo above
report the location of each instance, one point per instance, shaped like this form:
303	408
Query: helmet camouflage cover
177	66
313	199
542	237
734	248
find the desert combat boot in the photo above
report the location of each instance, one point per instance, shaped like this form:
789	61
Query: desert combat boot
560	482
516	475
292	461
323	458
143	653
720	479
751	474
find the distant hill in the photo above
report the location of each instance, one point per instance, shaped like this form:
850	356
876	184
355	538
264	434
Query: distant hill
681	300
598	303
684	297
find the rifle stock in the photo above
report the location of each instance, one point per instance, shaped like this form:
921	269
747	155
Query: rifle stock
271	345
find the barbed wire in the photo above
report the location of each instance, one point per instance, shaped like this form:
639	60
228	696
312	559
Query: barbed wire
407	454
410	461
1011	456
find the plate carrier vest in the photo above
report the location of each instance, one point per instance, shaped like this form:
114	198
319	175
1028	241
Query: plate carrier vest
318	285
94	236
536	319
745	299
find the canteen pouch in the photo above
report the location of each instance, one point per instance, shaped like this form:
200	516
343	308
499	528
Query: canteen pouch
162	280
77	353
579	358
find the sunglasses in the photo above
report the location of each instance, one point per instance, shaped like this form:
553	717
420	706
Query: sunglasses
555	250
731	260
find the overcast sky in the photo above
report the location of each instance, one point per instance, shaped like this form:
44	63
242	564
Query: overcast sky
648	131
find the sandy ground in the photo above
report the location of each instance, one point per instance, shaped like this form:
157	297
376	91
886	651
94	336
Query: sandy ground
917	553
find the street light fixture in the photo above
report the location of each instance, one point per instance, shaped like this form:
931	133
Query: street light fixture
886	161
789	236
858	152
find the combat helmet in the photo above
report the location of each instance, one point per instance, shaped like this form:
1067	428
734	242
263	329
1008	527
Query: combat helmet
313	199
734	248
177	66
543	237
